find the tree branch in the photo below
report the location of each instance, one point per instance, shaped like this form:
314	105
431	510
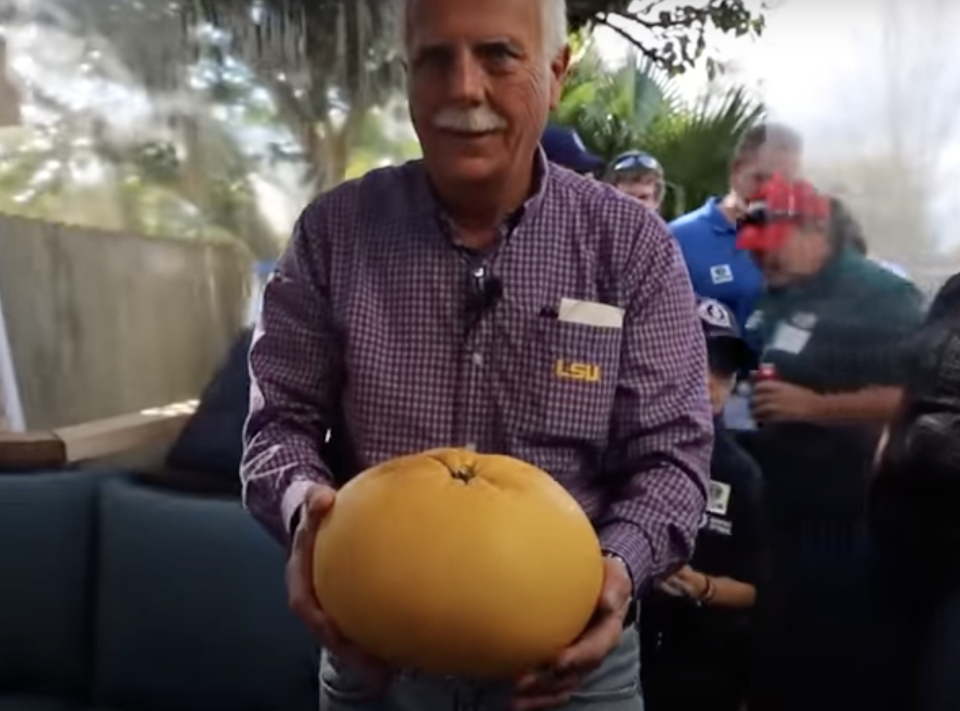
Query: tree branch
645	51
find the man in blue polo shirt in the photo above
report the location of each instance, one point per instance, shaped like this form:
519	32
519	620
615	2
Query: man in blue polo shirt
708	235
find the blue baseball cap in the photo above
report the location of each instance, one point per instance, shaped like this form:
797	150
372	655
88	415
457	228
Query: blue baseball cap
727	350
564	146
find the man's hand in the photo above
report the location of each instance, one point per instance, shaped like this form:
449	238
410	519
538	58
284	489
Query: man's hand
552	686
303	599
777	401
686	583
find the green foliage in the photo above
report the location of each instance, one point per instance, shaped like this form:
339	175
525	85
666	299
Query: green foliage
637	106
695	145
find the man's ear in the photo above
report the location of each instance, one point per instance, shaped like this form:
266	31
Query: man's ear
558	71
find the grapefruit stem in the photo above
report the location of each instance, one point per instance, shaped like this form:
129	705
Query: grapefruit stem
464	474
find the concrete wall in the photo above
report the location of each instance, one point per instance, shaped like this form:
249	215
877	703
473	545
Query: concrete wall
102	324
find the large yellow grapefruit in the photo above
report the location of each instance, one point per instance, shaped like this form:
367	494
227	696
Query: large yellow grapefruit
458	563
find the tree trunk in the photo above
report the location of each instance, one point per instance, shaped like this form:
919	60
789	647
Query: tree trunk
9	95
336	145
247	223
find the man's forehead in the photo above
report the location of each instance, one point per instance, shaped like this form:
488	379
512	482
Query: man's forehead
777	159
647	178
472	22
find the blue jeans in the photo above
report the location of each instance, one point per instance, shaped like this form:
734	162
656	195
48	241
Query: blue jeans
615	686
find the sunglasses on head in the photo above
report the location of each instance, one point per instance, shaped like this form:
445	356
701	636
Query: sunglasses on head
758	214
634	162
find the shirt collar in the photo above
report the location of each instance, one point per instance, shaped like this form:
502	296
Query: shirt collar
542	176
718	220
833	271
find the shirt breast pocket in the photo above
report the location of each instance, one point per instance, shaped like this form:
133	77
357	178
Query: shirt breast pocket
572	381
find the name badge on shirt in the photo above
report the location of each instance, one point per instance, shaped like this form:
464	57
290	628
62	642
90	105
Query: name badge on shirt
590	313
804	320
718	498
754	321
721	274
789	339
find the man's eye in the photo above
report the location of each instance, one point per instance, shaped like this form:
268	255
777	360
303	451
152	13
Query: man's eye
497	53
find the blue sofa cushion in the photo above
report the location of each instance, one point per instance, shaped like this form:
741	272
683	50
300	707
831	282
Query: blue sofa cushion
47	528
193	612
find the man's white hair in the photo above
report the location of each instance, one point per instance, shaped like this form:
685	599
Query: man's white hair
554	25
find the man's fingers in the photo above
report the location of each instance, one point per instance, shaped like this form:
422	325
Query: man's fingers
612	600
330	637
303	601
546	681
767	387
545	689
590	650
545	701
318	503
764	408
677	587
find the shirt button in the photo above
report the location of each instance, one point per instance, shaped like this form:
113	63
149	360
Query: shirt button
477	359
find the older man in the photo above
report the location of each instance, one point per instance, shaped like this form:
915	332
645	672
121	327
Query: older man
437	304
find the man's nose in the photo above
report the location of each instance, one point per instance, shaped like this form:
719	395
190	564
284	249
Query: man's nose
467	79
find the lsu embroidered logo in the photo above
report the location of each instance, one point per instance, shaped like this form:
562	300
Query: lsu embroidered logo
582	372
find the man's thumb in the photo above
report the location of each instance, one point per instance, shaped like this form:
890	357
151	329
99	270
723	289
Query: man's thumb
320	500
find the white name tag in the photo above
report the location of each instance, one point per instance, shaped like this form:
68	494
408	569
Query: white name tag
789	339
590	313
721	274
718	498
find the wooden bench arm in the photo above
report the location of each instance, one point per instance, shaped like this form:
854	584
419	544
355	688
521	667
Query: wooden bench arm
97	439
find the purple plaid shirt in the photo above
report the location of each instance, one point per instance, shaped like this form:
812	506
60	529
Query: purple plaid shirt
367	331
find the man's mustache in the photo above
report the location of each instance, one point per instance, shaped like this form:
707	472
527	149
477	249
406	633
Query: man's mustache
476	119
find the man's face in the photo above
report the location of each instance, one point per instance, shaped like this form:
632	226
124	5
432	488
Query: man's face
480	85
795	257
645	188
756	169
720	385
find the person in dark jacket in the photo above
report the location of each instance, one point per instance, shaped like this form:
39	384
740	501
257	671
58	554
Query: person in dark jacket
885	626
696	628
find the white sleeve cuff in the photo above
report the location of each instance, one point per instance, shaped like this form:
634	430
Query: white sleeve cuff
292	500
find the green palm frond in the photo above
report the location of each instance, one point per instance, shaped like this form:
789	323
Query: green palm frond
695	146
638	106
